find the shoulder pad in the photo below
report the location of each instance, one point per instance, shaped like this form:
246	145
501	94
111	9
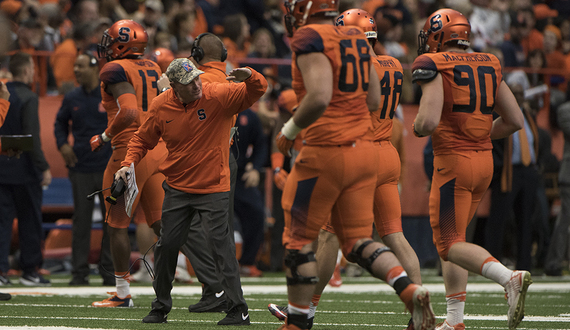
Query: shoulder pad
423	75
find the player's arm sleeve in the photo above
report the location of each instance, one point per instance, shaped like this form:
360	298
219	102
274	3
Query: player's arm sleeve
424	70
145	138
126	115
116	82
61	125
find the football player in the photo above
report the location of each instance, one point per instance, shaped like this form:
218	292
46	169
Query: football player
460	91
336	172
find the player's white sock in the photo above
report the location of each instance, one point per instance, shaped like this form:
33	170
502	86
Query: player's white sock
455	307
496	271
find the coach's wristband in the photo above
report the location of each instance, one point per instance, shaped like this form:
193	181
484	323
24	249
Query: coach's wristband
290	129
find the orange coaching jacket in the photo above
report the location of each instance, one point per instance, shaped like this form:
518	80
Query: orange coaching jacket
197	134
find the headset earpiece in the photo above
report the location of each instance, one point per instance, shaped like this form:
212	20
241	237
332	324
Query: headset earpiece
197	52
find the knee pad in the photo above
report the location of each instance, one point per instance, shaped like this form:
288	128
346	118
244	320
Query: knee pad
293	260
366	263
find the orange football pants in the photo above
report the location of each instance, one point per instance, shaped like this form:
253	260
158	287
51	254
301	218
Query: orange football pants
459	182
149	182
336	182
387	209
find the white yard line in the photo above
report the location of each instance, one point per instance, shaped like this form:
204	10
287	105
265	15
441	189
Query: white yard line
275	289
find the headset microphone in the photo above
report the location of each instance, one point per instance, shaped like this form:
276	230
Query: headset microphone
117	189
92	195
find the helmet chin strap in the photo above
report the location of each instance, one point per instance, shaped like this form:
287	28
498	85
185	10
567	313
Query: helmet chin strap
307	10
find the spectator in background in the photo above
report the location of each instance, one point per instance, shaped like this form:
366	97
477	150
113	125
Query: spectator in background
153	20
62	59
249	203
532	38
555	60
85	11
263	46
392	38
544	15
565	45
489	24
51	18
211	11
514	187
29	36
513	51
236	36
81	114
22	179
182	27
559	241
253	11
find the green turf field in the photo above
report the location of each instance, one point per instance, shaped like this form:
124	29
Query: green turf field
360	303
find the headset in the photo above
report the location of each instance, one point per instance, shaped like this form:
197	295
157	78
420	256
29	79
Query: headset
117	189
92	59
197	52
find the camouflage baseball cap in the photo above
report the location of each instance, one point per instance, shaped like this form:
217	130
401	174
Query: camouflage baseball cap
182	71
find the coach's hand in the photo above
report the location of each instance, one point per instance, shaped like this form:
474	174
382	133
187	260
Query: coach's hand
239	74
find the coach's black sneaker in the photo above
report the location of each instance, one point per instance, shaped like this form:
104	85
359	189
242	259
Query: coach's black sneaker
155	316
236	316
34	279
5	296
210	304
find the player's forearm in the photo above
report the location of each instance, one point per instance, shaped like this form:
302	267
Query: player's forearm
501	129
127	114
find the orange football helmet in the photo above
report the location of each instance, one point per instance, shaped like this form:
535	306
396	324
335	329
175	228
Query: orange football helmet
299	10
125	38
441	27
162	57
360	18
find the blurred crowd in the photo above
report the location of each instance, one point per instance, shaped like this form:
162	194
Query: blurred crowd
531	34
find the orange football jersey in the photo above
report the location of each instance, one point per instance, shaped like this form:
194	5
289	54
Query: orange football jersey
347	118
470	84
391	75
143	75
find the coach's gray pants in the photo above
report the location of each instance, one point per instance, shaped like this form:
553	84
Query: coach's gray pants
179	210
200	258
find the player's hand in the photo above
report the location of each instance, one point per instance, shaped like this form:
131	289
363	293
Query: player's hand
98	141
68	155
280	178
239	74
284	144
4	93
